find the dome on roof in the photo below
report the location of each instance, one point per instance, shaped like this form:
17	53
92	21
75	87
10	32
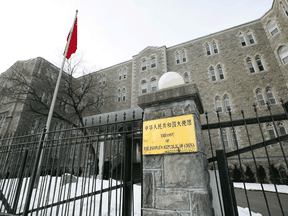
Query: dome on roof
170	79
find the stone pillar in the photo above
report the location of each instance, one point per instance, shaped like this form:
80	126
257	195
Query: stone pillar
177	183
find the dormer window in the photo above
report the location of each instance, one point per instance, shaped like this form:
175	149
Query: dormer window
272	27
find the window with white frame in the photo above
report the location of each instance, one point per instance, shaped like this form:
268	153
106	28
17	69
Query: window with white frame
272	27
220	72
259	63
124	73
227	104
177	58
207	47
260	98
283	54
118	95
153	62
153	84
250	38
120	75
186	78
123	94
271	131
100	81
234	137
104	80
284	9
271	96
242	40
143	65
183	56
143	86
224	137
219	105
215	47
281	128
250	65
212	74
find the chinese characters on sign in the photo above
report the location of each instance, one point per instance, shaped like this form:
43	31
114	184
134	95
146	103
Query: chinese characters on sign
170	135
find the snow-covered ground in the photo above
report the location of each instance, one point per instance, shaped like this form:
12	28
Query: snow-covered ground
85	186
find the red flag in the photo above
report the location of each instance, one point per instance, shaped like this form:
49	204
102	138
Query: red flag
72	47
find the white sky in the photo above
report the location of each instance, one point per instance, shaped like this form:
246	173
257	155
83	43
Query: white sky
112	31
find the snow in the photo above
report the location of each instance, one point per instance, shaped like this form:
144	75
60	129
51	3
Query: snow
267	187
245	211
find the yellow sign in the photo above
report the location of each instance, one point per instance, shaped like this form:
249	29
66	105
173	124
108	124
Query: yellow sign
169	135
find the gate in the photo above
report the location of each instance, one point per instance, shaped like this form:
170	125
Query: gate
69	162
259	159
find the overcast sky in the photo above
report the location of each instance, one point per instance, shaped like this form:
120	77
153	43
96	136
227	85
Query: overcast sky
112	31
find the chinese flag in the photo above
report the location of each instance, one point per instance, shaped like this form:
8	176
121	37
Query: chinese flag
72	47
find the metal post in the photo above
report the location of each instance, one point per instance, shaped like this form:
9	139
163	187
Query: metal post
229	199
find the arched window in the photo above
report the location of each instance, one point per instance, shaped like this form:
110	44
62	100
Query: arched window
227	104
186	78
153	84
220	72
224	137
143	65
100	81
271	96
272	27
234	137
177	58
282	129
284	9
118	95
207	47
260	98
124	74
250	38
120	75
143	86
271	131
219	105
250	66
283	54
215	48
242	40
104	80
153	62
183	56
212	74
259	63
123	94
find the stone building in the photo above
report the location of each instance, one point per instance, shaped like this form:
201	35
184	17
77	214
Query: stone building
233	68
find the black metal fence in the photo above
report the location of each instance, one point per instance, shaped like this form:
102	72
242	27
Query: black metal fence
73	171
253	154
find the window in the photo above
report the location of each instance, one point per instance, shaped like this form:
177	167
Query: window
100	81
250	66
177	58
227	104
272	27
259	63
271	97
153	84
282	129
120	75
242	40
224	138
234	137
250	38
183	56
186	78
271	131
123	94
215	48
212	74
260	98
143	86
207	47
124	73
283	54
284	9
220	72
153	62
143	65
219	105
104	80
119	96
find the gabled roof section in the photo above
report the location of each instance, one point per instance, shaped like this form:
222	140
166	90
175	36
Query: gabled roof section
147	48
